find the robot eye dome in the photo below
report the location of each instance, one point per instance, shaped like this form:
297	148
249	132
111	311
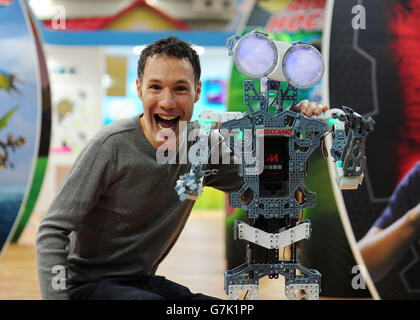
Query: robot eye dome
303	66
255	56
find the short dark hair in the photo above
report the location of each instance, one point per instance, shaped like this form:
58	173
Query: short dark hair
172	47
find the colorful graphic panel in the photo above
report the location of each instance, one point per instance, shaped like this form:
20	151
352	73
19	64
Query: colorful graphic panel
373	67
20	113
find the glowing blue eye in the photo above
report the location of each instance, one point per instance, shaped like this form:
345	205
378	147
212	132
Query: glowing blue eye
255	56
303	66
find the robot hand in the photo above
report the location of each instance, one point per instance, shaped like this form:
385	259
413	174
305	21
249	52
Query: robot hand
348	148
350	130
360	126
190	185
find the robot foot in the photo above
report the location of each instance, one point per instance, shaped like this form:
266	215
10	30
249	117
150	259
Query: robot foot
243	292
299	291
245	278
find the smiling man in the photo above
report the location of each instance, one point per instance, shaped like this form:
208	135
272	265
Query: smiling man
168	84
117	214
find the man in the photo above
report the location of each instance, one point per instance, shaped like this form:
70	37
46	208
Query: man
397	228
117	214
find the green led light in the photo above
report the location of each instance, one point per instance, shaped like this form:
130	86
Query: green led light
240	135
205	125
335	122
339	164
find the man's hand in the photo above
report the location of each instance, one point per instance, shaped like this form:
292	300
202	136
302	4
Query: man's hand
310	108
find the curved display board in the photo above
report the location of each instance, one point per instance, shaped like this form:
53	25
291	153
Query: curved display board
24	92
373	68
44	138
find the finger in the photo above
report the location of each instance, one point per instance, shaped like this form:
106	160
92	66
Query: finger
298	107
311	109
304	106
318	110
322	108
309	112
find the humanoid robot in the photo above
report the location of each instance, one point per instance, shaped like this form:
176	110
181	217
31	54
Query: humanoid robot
274	143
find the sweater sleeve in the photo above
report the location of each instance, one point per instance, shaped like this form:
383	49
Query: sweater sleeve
92	172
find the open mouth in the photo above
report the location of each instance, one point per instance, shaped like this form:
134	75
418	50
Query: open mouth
166	122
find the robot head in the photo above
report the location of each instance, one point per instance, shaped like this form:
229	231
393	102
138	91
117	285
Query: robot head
257	56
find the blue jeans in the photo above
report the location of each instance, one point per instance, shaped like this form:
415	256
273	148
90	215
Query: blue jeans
145	288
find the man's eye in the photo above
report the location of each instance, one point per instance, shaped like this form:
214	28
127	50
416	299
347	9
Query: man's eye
181	88
154	87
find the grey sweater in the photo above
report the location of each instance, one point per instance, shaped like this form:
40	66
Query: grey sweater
117	214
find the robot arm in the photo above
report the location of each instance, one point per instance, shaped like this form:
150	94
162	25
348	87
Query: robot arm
349	130
190	185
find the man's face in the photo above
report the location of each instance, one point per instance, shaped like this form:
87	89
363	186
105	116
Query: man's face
168	93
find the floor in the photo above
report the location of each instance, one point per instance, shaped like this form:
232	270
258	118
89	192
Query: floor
196	261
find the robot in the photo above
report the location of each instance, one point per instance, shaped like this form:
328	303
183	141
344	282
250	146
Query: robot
276	143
